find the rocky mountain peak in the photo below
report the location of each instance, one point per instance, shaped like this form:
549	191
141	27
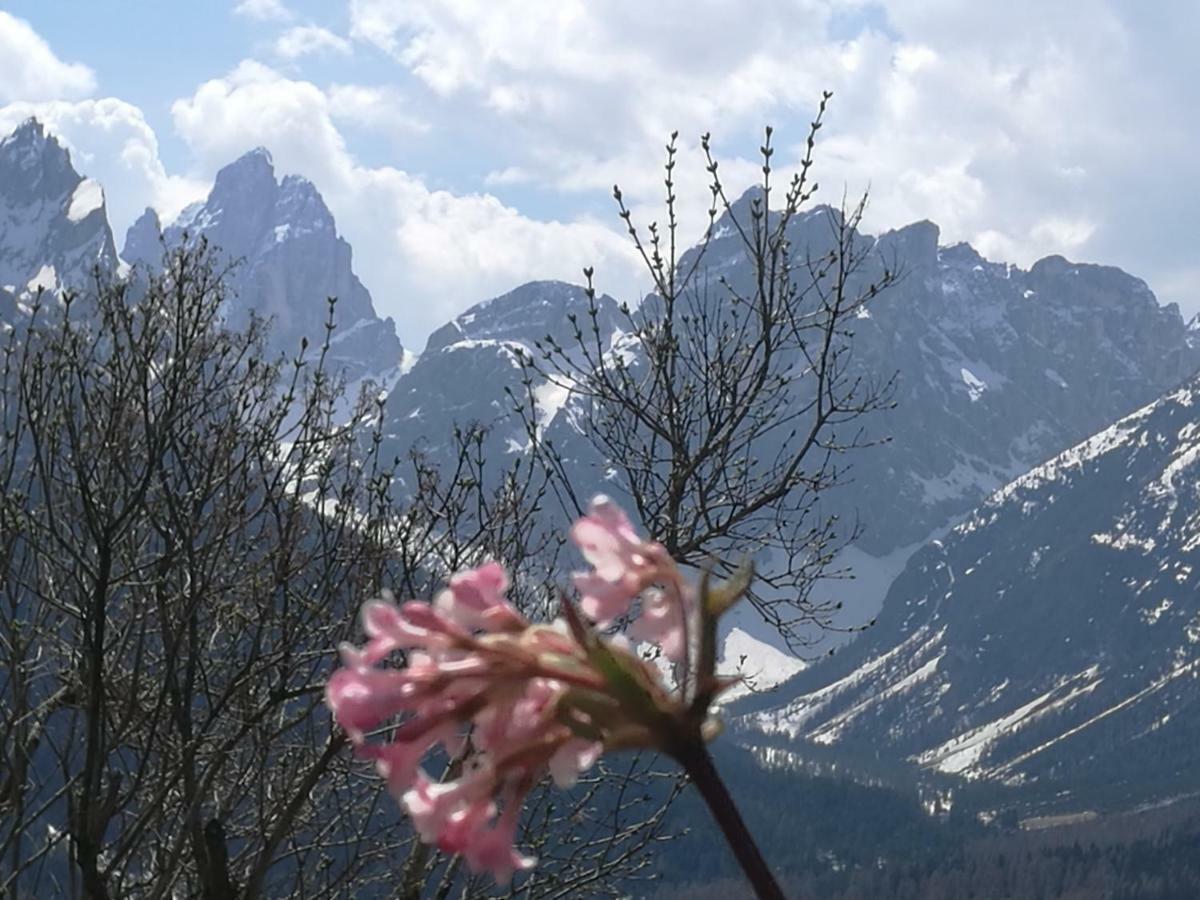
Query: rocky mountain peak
288	260
249	177
916	244
299	204
143	240
469	363
526	314
34	165
31	151
53	225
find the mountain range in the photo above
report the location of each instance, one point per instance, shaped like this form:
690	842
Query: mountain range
1030	527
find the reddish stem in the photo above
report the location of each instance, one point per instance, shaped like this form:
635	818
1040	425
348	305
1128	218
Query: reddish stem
698	764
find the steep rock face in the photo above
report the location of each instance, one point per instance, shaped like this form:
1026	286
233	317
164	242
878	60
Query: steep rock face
531	312
1051	641
462	376
54	229
144	241
999	369
287	260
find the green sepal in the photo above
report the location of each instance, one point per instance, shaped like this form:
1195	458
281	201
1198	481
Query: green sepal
603	712
628	684
634	694
588	730
718	599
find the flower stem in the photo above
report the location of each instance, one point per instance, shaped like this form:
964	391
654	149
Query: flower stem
698	764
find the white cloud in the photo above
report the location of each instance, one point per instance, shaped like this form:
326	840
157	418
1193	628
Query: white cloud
1067	233
382	109
305	40
263	10
1028	128
29	69
509	175
587	93
424	254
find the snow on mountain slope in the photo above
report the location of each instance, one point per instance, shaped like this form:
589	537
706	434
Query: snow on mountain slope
998	369
761	666
1051	640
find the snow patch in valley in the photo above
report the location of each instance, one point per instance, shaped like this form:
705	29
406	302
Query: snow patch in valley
966	479
832	730
1056	378
790	719
385	381
962	754
408	359
549	397
862	591
1180	670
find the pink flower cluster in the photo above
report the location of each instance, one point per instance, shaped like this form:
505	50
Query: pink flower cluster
507	701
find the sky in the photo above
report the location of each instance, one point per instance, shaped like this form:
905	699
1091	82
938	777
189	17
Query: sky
467	146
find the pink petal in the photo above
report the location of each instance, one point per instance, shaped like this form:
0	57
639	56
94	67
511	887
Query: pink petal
463	827
492	849
601	600
607	540
481	587
399	761
662	623
361	699
475	600
430	805
440	631
572	758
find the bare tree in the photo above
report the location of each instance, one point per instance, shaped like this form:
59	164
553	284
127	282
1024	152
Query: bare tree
187	529
728	406
186	533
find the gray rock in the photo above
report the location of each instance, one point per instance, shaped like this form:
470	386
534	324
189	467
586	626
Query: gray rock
998	369
462	376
